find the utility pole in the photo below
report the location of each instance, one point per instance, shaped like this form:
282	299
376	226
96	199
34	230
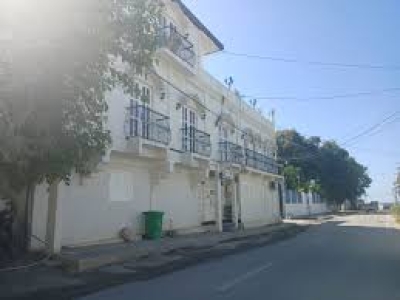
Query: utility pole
397	187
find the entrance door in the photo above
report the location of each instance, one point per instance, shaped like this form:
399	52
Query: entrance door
228	202
208	198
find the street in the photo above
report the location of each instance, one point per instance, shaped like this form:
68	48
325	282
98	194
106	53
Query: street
350	257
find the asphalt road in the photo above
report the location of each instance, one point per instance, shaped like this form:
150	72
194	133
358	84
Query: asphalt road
352	257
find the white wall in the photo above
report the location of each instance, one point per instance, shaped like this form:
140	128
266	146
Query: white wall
95	209
259	204
296	209
177	197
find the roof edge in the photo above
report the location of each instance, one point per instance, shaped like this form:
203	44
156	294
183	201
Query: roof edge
199	24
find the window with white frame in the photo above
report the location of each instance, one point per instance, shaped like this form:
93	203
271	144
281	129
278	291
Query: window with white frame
143	93
189	125
223	133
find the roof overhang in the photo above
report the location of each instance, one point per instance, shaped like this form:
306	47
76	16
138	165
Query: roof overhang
199	24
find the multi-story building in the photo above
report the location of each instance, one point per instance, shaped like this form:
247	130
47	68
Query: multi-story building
189	147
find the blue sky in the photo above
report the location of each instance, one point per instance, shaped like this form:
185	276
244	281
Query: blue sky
357	31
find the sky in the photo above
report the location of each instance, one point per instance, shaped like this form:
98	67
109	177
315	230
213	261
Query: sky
342	31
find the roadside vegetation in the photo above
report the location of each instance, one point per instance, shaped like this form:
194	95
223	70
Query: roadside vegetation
54	126
396	212
324	167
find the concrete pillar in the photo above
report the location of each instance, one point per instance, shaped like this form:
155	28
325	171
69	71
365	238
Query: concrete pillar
218	203
53	230
238	201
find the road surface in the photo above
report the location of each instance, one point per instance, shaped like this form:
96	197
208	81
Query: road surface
351	257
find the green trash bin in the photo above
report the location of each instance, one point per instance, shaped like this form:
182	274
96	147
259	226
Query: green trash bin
153	224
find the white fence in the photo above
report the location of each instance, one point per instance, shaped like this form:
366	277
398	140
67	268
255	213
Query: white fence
304	204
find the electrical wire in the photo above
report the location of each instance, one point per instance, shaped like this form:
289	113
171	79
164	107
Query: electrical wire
193	98
315	63
331	97
371	128
309	156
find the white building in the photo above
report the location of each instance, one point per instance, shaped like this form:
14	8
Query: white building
300	204
194	151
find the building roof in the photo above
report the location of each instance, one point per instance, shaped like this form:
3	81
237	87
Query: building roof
199	24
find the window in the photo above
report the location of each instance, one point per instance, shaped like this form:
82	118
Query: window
223	133
189	124
143	93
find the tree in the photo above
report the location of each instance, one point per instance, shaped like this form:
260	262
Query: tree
322	167
292	177
343	178
63	59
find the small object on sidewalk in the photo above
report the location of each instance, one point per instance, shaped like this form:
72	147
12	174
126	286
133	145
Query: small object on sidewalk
127	235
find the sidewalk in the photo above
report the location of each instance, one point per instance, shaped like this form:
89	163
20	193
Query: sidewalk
91	269
93	257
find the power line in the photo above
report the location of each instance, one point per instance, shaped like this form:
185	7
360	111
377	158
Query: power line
315	63
330	97
308	156
377	151
202	104
371	128
194	99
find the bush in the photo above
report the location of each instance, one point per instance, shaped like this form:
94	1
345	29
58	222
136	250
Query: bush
396	212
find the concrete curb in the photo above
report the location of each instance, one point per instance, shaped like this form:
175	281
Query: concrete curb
81	260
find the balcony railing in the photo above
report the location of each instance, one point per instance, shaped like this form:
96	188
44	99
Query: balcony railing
261	162
231	153
196	141
148	124
178	44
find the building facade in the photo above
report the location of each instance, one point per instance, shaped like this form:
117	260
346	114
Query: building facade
188	146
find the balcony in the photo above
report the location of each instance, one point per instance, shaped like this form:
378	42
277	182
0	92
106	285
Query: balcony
178	44
231	153
261	162
148	124
196	141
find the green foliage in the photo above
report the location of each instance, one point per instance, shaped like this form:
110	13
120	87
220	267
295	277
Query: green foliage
337	175
292	177
396	212
54	77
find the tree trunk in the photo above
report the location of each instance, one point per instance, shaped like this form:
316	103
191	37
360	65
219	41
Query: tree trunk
30	194
53	230
19	220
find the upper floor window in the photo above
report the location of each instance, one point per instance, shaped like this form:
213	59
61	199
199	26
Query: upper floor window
176	42
189	124
223	133
143	93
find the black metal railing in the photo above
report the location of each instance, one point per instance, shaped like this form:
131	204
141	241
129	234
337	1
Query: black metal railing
179	44
230	152
261	162
148	124
196	141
